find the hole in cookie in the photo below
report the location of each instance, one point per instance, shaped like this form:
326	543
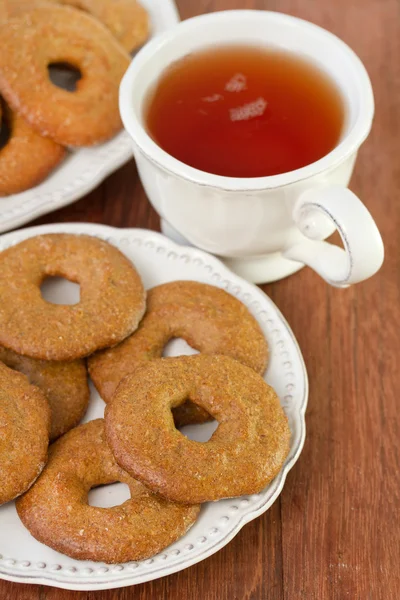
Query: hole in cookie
4	133
107	496
199	433
178	347
64	76
58	290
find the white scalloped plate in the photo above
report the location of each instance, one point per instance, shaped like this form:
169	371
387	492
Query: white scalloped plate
159	260
83	169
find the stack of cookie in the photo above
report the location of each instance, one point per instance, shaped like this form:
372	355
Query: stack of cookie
120	336
39	120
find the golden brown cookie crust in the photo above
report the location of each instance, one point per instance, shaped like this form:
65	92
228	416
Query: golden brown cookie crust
111	306
64	384
243	455
127	20
27	158
41	36
24	437
57	514
206	317
13	8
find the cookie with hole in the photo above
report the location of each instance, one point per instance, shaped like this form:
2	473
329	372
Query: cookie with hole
245	452
112	300
57	513
208	318
33	41
24	438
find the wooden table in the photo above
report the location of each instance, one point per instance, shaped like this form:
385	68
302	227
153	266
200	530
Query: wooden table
334	532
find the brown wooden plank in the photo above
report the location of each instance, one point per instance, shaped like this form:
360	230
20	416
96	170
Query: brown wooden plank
334	532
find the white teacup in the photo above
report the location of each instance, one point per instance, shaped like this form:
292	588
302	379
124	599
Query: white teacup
265	228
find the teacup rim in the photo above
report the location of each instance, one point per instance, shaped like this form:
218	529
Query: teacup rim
147	146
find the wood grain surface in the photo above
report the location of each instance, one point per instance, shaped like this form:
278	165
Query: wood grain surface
334	533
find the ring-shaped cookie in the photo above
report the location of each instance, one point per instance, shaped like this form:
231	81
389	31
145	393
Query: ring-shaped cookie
18	170
57	513
64	384
244	454
24	433
34	40
206	317
112	297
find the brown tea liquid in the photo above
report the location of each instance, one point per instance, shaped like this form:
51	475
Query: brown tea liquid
242	111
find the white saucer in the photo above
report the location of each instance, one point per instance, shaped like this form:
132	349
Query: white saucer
257	269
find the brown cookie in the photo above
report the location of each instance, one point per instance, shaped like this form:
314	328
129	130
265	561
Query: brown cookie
127	20
111	305
26	158
42	36
206	317
244	454
24	433
57	513
64	384
13	8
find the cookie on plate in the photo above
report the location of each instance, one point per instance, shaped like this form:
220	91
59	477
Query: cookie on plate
26	158
206	317
64	384
42	36
243	455
57	513
24	433
127	20
112	297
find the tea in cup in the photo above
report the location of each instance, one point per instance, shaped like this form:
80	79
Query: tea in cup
245	129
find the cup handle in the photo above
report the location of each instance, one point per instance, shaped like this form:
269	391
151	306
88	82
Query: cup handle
363	250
